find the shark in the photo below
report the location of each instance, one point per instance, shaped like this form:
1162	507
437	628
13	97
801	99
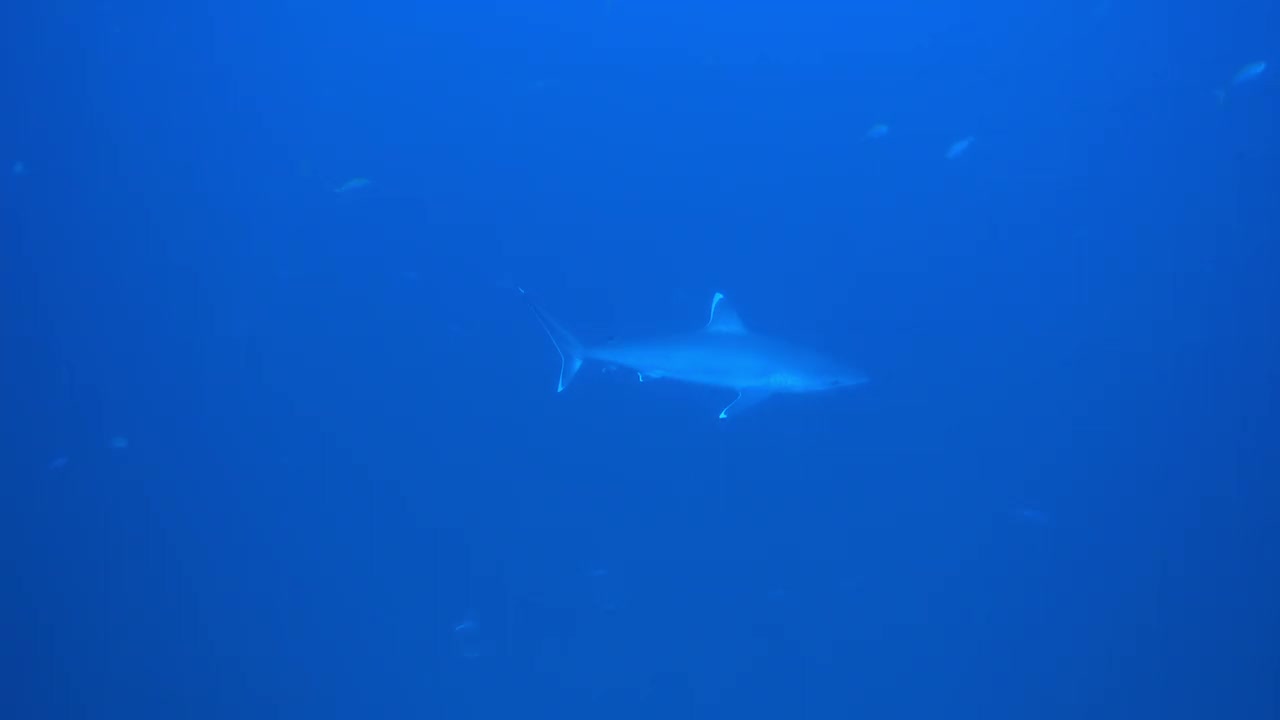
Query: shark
722	354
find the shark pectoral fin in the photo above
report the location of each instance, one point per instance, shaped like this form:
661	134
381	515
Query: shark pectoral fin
571	351
746	398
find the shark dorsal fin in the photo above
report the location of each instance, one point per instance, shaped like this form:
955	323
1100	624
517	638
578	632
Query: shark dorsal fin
723	317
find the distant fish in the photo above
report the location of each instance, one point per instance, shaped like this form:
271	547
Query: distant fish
470	639
1245	74
1249	72
959	147
1030	516
537	86
876	132
353	184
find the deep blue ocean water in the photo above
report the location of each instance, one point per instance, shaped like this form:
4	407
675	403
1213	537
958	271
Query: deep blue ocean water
272	450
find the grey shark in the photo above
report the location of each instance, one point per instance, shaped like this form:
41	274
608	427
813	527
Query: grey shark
723	354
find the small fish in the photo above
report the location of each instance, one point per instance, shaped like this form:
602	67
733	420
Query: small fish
959	147
353	184
1030	516
876	132
1246	74
538	86
1249	72
469	637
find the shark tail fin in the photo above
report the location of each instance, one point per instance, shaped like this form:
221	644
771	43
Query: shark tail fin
571	351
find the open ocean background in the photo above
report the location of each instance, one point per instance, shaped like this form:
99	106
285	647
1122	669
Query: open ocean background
275	451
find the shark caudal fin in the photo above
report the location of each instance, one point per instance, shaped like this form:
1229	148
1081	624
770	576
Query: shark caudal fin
571	351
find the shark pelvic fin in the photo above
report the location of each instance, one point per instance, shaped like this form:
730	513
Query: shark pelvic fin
724	319
571	351
747	397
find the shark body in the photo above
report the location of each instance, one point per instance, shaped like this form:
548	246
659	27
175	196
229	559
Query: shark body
722	354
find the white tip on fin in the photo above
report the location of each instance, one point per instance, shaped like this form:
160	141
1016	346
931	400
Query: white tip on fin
747	397
723	317
569	367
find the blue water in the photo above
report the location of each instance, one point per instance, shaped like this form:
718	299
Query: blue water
272	450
